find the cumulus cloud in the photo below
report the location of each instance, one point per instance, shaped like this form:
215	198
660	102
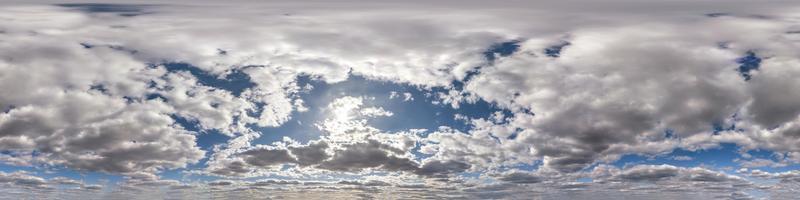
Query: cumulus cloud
93	132
22	179
128	89
657	173
521	177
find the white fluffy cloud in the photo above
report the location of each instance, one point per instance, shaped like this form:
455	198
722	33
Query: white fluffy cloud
89	90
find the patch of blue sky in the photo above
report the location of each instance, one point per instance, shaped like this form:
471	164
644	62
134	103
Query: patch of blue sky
425	111
491	54
419	113
584	180
725	157
522	166
719	127
474	175
772	156
206	138
187	175
13	168
719	157
235	82
555	50
49	172
184	175
749	62
87	177
124	10
501	49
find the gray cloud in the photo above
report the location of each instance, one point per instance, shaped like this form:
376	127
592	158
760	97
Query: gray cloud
310	154
649	173
100	134
267	157
664	173
367	155
521	177
437	168
633	82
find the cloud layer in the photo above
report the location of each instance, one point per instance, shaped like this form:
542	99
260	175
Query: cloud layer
139	90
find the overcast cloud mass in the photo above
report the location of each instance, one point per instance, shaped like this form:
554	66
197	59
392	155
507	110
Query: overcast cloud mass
576	99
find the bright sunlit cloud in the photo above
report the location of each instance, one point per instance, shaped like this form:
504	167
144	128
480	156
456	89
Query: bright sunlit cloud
576	99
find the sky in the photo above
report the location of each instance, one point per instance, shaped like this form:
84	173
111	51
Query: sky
345	99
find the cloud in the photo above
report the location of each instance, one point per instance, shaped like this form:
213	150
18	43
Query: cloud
375	112
659	173
350	146
310	154
649	173
267	157
355	158
521	177
682	158
26	182
371	154
125	10
107	87
22	179
93	132
760	162
436	168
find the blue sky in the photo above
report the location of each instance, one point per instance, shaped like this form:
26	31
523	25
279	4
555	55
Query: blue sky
302	100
